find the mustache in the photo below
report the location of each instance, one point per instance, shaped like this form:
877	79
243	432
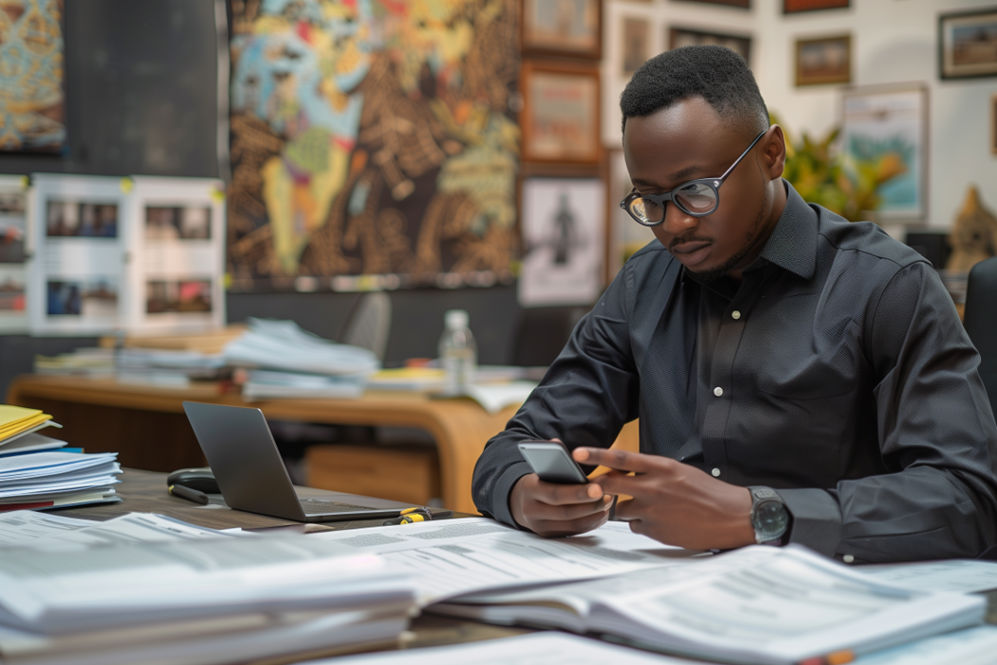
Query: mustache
688	238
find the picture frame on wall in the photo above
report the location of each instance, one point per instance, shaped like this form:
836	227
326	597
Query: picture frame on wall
565	27
795	6
888	125
560	115
823	60
635	38
967	44
680	36
741	4
563	231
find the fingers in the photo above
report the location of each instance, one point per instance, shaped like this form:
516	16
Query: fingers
570	519
620	460
551	509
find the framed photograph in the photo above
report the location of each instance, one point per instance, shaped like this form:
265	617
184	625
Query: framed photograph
824	60
967	44
562	27
635	38
741	44
794	6
743	4
886	127
560	116
563	241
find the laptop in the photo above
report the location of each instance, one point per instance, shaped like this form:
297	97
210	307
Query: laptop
251	475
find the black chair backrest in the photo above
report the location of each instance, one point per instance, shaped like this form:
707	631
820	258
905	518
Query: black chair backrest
980	319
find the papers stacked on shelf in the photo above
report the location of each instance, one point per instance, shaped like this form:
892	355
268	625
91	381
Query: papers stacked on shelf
57	479
168	367
86	361
283	360
197	601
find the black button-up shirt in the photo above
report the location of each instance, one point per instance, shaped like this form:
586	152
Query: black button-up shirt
836	371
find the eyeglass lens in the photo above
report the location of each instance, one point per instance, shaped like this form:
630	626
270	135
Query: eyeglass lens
694	198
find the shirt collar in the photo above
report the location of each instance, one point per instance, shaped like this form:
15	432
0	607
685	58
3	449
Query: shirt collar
793	243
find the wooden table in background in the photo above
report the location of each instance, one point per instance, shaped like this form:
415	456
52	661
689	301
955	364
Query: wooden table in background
146	425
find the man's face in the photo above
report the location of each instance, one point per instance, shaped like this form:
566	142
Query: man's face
687	141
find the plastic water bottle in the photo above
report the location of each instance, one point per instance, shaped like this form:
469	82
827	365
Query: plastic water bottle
458	353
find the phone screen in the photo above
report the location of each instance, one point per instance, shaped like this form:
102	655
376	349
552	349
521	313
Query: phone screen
552	462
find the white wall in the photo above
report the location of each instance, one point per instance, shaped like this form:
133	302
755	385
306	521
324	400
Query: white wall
893	41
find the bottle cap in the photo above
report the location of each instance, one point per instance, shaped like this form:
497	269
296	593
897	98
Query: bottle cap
456	318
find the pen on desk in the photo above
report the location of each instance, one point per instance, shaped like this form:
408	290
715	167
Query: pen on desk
834	658
189	493
416	514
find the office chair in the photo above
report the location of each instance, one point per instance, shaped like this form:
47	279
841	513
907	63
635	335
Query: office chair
980	319
369	323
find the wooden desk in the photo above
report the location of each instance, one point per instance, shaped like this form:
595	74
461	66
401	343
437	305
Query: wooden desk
146	426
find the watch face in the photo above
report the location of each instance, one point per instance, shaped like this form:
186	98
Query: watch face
770	520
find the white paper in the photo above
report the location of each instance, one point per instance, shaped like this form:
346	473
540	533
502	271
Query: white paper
962	575
450	557
754	605
44	531
56	592
533	649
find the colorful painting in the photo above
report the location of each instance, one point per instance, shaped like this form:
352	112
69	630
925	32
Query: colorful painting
373	143
32	102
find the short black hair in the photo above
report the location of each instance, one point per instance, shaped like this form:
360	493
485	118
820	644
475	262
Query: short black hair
715	73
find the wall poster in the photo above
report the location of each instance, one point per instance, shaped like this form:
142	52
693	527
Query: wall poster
77	264
373	144
32	101
176	260
13	254
887	126
139	254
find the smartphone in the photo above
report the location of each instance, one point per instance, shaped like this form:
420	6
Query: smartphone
552	462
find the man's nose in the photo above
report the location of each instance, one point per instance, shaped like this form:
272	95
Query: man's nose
677	221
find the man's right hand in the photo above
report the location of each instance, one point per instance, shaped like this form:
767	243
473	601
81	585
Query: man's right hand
554	509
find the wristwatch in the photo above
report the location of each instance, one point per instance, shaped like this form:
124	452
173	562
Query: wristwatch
769	516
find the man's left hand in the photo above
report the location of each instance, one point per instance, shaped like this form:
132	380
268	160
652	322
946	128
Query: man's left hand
673	502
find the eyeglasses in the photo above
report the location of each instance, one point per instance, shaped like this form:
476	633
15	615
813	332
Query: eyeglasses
697	198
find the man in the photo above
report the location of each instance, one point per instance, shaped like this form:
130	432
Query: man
798	378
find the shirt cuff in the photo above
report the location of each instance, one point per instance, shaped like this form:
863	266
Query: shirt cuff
816	519
502	489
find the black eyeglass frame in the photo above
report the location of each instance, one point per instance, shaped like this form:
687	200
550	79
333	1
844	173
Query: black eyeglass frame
663	199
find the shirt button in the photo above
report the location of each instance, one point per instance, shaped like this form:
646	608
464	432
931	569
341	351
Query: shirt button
718	392
736	314
848	558
715	472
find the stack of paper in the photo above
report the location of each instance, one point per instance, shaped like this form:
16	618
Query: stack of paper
282	360
196	601
88	361
758	605
168	367
19	430
57	479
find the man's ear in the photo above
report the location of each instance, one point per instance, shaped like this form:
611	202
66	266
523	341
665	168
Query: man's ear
774	151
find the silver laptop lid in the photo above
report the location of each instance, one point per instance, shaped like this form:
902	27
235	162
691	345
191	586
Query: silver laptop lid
251	475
